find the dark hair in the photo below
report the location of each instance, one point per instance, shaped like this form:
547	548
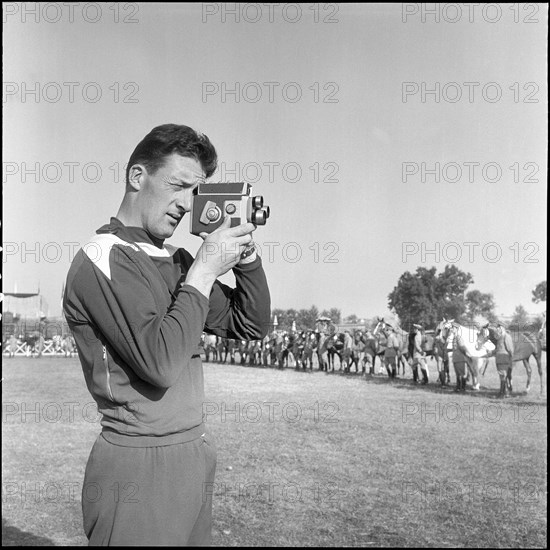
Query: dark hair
164	140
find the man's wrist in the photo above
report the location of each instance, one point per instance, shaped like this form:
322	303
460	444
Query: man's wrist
203	282
249	254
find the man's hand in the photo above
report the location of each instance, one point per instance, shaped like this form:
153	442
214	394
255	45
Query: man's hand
220	251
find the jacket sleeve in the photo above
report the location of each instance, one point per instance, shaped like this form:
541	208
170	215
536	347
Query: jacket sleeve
242	313
129	308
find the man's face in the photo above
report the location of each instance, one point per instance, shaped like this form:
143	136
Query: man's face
165	196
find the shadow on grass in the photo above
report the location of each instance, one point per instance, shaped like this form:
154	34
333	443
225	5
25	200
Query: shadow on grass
12	536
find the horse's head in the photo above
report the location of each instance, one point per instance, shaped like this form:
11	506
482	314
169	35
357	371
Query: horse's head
382	328
379	326
488	337
443	329
483	336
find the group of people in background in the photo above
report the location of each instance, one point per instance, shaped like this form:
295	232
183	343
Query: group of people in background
367	352
387	352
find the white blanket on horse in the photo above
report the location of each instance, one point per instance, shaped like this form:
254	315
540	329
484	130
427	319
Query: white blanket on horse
484	351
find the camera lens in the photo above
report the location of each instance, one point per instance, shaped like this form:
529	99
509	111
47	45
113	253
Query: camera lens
259	217
267	211
258	201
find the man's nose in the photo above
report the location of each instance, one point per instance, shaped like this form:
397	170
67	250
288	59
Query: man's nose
185	201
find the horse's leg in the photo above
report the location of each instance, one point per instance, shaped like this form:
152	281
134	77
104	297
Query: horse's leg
440	369
509	377
502	376
473	369
528	369
539	367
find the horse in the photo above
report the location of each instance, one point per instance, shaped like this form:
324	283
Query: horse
310	345
466	340
244	351
229	347
335	347
525	345
402	337
375	346
266	351
255	353
210	347
542	334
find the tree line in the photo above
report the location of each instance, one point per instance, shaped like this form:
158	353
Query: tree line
424	297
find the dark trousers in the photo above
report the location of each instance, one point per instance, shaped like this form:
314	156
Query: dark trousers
157	496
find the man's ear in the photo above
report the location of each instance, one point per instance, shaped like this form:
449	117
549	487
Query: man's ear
136	175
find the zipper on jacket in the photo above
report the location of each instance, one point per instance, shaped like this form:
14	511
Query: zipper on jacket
106	364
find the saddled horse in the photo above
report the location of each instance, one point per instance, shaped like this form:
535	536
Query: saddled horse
466	340
525	345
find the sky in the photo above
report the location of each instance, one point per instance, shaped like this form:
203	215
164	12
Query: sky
383	137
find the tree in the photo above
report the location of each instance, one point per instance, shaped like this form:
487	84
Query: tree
306	318
520	317
452	285
424	297
413	298
480	303
351	319
284	318
333	314
539	293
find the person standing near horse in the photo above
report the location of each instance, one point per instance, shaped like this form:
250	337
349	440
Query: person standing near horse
358	352
416	343
460	363
504	354
391	353
347	351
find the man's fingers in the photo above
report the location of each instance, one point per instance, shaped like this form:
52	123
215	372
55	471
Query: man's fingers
226	223
244	240
243	229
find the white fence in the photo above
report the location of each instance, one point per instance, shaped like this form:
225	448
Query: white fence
51	348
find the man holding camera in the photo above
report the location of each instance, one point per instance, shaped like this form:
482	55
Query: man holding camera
137	309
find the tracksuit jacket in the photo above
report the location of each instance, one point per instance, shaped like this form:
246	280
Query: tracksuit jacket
138	328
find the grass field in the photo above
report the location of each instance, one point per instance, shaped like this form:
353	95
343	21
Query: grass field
305	459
